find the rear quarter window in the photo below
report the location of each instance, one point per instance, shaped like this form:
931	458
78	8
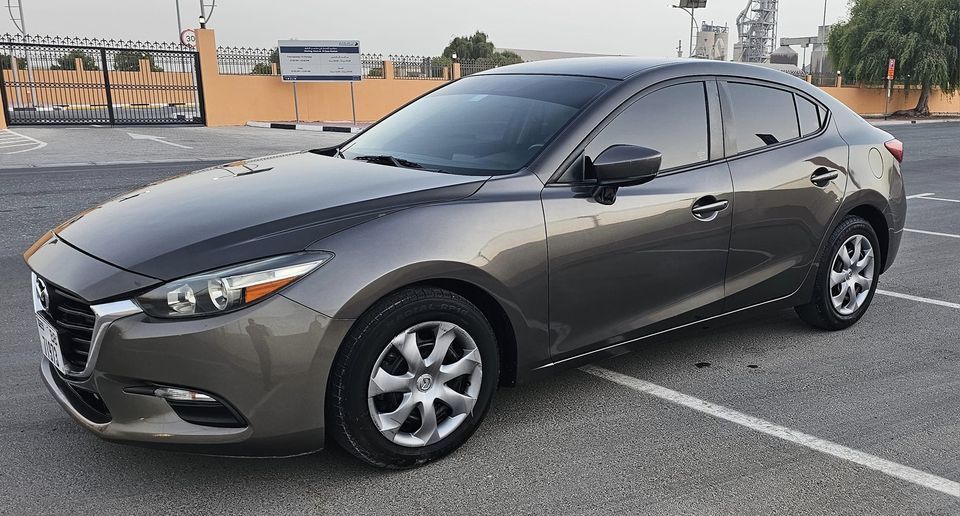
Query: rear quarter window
810	114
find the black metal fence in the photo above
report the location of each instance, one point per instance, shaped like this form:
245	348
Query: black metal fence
419	67
823	79
372	66
472	66
266	61
248	61
54	80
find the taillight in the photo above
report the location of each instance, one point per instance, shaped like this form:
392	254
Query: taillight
896	148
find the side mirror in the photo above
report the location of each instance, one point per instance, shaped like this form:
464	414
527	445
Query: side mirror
626	165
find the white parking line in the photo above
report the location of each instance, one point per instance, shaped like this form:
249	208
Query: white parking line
11	139
920	299
934	233
926	196
873	462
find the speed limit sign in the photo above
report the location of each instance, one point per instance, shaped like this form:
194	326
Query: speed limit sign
189	38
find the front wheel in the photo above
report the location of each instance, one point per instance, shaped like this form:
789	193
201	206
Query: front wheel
847	277
413	379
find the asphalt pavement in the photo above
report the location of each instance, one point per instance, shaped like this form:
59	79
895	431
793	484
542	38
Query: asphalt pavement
575	443
101	145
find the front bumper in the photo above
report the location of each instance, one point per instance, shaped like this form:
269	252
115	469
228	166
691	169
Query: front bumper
268	363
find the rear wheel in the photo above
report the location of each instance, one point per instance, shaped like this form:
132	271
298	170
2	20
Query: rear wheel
847	277
414	378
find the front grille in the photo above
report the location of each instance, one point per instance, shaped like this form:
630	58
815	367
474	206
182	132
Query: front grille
74	321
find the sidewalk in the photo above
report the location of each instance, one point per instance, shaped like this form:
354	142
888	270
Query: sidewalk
880	122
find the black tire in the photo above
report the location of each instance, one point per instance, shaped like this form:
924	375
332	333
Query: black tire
348	414
820	311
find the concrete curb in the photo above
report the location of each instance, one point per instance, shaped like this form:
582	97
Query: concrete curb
161	161
879	122
307	127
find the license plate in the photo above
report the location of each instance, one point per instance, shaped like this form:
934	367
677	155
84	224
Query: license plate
50	343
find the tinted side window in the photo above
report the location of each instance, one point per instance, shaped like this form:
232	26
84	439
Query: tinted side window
763	116
672	120
810	117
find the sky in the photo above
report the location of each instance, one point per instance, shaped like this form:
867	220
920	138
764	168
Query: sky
417	27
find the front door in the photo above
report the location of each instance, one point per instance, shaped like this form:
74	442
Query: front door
647	261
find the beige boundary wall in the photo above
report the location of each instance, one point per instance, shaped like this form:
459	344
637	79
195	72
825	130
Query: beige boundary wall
872	101
237	99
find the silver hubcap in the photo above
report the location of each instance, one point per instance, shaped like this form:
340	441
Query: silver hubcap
851	275
425	383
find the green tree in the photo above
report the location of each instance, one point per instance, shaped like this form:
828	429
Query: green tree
479	47
129	61
922	35
265	68
68	61
5	62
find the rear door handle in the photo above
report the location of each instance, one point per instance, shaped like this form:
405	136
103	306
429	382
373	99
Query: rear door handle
823	176
707	207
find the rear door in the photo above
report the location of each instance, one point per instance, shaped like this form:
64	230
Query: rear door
789	169
647	261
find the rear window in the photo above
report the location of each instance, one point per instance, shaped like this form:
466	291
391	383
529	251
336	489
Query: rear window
763	116
482	125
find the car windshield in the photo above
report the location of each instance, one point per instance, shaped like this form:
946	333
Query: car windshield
482	125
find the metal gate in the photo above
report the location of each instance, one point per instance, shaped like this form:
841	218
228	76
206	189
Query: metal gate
56	81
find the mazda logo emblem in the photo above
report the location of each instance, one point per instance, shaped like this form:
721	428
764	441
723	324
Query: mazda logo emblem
425	382
43	294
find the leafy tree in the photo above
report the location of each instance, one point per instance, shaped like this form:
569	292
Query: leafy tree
5	62
129	61
922	35
479	47
265	68
68	61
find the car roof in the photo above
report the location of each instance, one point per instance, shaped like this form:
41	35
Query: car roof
608	67
622	68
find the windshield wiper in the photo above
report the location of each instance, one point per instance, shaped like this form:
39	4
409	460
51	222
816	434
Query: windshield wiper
386	159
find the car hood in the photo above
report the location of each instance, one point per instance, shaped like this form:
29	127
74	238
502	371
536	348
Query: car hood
248	210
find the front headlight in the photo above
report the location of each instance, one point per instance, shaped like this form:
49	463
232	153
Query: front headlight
229	289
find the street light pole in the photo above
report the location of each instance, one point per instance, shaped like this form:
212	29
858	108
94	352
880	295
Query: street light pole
689	7
26	54
179	23
823	44
693	26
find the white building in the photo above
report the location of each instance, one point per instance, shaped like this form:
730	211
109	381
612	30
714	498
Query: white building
712	42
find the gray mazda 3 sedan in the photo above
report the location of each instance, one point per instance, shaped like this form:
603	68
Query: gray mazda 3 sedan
507	225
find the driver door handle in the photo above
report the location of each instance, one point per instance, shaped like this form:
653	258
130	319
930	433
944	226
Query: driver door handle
706	207
823	176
